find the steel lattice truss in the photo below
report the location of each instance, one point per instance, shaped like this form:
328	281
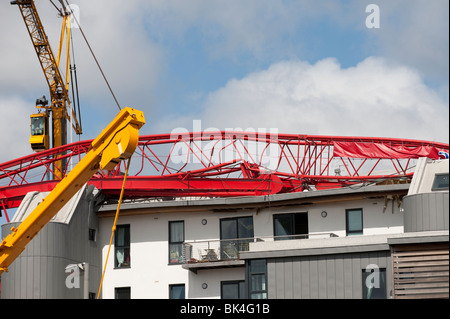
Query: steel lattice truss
222	163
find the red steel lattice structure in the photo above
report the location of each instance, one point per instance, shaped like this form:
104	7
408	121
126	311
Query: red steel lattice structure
222	163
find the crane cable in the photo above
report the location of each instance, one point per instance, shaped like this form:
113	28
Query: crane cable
114	226
93	55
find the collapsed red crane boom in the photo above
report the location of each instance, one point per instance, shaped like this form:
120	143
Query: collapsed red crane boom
222	163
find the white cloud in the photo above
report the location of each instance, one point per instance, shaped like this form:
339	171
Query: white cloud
373	98
416	33
14	129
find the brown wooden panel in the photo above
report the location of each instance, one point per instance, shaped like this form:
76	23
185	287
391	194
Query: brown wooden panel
420	271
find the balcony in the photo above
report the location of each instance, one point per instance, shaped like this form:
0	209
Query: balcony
210	254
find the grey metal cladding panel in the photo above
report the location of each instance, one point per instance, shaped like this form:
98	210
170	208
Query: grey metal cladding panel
271	278
434	213
423	206
331	277
426	212
445	210
407	219
280	288
297	278
339	277
322	273
318	277
314	275
305	277
348	276
43	276
441	208
288	279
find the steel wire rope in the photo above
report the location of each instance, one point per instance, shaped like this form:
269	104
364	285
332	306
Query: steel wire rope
93	55
114	226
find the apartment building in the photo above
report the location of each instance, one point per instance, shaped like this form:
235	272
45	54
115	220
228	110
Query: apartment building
386	240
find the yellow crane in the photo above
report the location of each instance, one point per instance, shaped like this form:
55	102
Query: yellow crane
60	106
115	143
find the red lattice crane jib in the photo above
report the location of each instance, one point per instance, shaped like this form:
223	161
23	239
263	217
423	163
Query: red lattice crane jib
223	163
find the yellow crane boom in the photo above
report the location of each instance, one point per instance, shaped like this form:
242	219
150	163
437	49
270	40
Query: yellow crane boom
115	143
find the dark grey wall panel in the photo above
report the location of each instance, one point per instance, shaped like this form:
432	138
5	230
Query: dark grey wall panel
426	212
337	276
39	272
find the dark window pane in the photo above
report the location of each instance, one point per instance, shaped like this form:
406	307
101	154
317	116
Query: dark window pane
228	228
177	292
258	282
301	224
354	222
176	232
258	295
242	288
440	182
230	291
374	283
122	246
123	293
245	227
175	253
258	266
176	240
283	225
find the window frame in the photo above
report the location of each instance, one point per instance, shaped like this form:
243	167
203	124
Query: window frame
292	217
124	247
435	187
240	284
353	232
180	258
124	289
230	247
251	274
383	280
171	286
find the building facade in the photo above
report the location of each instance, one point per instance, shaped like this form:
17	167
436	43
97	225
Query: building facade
366	241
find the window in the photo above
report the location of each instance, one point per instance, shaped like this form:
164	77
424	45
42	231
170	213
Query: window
231	229
354	221
37	125
290	224
257	278
92	234
122	246
374	283
122	293
440	182
176	240
233	289
177	291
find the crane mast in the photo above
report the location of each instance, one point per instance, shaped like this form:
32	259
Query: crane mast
58	87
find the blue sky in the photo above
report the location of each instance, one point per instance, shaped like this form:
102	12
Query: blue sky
252	63
301	66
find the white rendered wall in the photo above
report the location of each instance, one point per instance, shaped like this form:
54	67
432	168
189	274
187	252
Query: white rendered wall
150	274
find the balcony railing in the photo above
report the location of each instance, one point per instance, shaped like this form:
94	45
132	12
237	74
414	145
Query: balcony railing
229	249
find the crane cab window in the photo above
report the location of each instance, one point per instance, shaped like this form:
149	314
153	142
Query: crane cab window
39	139
37	125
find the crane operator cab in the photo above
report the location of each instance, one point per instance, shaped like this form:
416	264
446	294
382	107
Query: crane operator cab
39	132
39	140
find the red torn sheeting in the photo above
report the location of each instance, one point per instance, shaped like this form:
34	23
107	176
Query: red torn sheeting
380	150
